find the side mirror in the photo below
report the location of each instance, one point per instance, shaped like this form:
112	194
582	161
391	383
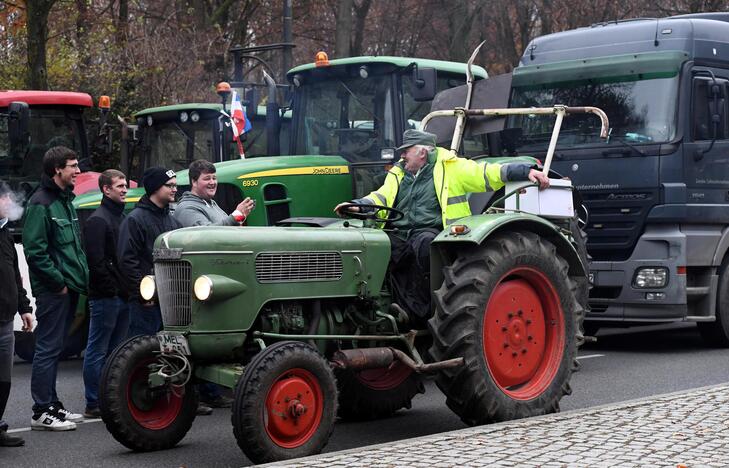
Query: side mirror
424	80
19	124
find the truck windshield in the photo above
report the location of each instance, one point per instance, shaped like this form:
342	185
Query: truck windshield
639	111
349	117
175	145
49	126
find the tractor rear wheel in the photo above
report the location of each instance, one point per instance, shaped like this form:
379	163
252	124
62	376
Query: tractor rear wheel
376	393
138	416
285	403
511	310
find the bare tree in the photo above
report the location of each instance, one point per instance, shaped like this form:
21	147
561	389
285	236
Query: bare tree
37	23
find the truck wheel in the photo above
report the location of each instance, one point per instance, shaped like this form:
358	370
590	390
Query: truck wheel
139	417
25	345
285	403
376	393
75	343
717	333
511	310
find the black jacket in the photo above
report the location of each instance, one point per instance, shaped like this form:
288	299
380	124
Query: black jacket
13	297
137	234
101	234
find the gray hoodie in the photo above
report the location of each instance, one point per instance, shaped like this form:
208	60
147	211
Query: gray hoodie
192	210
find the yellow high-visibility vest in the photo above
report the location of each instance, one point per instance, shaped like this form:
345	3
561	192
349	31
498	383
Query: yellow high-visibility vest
453	177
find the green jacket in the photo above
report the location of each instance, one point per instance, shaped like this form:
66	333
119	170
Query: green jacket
52	241
453	178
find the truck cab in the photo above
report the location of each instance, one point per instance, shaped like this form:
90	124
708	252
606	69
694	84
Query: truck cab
657	212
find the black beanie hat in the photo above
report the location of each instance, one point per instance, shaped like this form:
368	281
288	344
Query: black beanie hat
156	177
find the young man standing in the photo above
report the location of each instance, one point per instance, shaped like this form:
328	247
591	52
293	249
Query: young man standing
109	321
137	233
197	207
13	298
58	274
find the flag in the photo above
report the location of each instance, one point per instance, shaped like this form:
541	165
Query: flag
239	123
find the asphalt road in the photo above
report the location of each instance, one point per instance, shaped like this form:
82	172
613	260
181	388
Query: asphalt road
622	365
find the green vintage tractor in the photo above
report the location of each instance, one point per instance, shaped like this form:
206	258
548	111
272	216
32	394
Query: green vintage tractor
298	320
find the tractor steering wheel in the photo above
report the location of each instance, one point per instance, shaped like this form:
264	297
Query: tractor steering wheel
371	213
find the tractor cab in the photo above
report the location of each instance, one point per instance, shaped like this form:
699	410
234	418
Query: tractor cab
54	118
173	136
359	107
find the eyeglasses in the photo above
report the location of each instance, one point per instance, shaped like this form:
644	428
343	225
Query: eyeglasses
72	166
171	186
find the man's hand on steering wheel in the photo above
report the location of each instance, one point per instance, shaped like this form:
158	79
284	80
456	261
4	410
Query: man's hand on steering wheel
366	211
344	207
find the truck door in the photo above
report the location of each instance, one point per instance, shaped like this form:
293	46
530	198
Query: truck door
706	157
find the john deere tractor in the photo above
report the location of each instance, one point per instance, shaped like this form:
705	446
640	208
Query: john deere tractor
298	320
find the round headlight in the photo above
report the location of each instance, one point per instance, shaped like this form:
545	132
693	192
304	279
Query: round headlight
147	288
150	120
183	116
203	288
194	116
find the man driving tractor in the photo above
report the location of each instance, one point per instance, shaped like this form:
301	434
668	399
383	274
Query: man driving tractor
429	185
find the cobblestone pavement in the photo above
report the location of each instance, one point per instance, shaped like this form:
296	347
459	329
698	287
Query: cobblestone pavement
688	429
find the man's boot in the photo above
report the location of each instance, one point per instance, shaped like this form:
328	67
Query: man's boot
7	440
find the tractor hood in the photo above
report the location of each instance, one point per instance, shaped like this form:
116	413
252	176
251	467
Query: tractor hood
265	264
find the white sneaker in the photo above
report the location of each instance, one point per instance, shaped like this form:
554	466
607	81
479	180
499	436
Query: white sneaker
48	421
65	414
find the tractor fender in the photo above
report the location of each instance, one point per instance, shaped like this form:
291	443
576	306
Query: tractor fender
481	227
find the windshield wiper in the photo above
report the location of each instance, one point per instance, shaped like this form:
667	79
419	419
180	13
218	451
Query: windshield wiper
361	104
624	143
182	132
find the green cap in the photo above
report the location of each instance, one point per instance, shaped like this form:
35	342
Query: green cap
416	137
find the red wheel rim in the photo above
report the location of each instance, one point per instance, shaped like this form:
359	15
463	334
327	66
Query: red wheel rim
523	333
152	410
384	378
294	408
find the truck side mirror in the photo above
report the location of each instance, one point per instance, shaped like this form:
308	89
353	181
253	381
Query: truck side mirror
19	124
424	80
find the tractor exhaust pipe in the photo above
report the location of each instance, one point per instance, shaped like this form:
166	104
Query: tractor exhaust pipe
374	358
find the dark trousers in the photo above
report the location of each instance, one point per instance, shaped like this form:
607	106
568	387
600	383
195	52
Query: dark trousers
54	313
7	342
108	326
410	273
144	320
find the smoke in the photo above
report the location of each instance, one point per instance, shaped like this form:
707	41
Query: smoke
11	203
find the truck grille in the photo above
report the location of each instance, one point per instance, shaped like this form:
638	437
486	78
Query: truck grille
174	290
617	219
279	267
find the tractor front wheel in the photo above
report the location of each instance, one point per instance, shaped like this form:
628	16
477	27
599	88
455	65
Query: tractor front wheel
511	310
141	417
285	403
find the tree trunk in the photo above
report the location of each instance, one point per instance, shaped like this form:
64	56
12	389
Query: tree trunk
344	29
83	24
37	24
360	17
122	24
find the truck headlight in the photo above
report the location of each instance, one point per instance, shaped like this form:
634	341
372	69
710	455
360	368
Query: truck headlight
203	288
650	277
147	288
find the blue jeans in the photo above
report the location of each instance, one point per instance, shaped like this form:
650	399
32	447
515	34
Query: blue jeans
54	313
108	326
144	320
7	340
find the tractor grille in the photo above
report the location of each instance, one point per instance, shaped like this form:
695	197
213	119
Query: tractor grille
279	267
174	290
